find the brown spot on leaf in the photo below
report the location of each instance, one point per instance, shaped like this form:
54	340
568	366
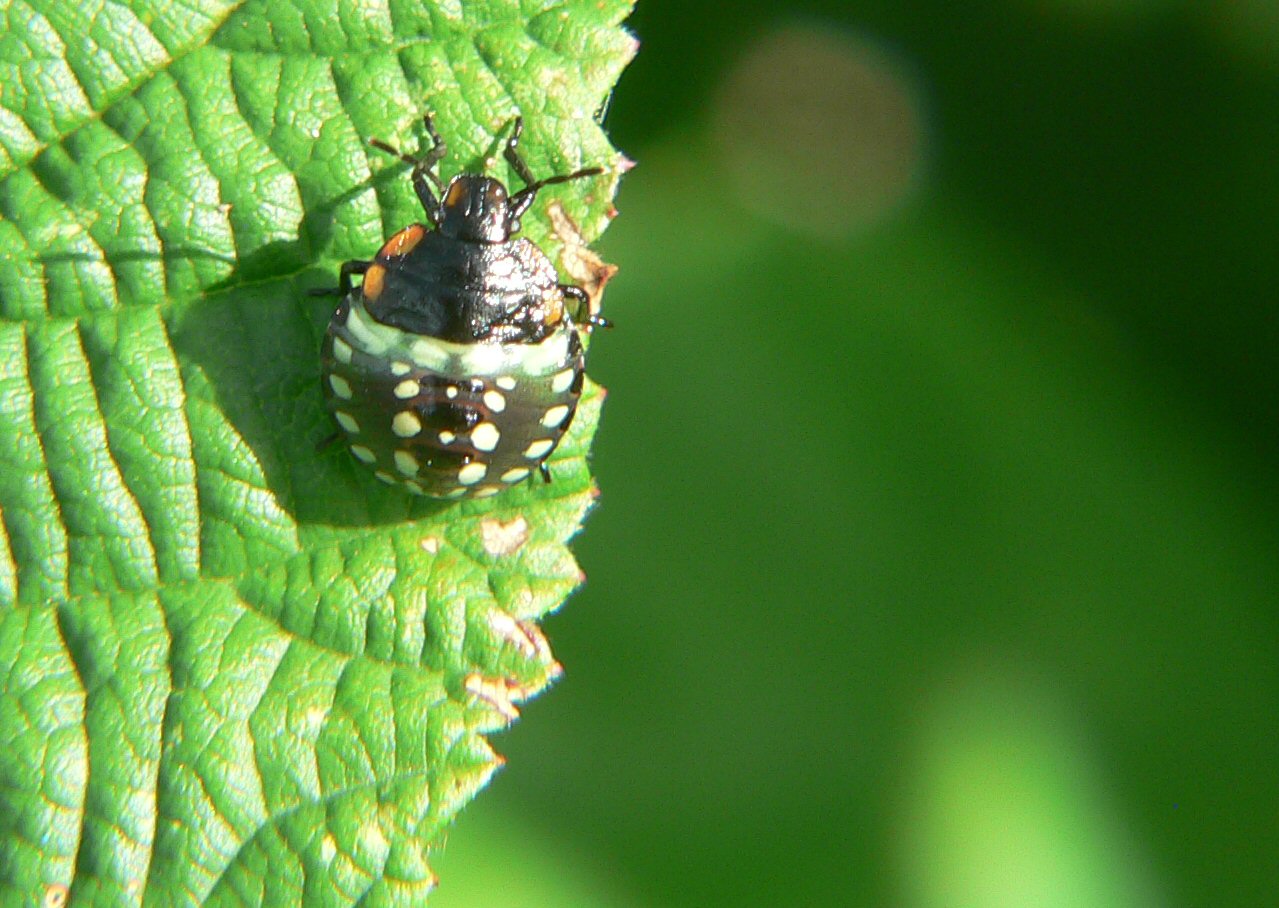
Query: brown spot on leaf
588	270
494	692
502	694
525	636
503	538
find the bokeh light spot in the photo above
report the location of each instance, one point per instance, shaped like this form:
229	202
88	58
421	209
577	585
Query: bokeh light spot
1006	807
820	131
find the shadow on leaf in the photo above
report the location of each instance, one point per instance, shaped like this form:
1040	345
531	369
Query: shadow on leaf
253	343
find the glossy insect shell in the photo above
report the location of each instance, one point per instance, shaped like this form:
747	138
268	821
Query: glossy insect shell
423	403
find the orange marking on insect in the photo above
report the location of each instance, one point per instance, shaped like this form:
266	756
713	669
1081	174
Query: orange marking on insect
554	307
455	195
373	279
403	242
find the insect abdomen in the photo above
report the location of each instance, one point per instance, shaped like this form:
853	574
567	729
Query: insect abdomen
445	419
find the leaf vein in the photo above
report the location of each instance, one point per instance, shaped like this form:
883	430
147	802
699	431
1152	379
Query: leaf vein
126	88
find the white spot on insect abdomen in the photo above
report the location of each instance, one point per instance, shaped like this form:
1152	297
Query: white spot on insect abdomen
341	387
485	436
472	473
554	416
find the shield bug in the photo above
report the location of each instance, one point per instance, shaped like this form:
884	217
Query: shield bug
455	367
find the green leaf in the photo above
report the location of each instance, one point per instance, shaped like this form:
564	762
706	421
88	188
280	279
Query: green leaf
235	669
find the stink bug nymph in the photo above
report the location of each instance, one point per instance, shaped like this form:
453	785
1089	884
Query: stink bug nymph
456	366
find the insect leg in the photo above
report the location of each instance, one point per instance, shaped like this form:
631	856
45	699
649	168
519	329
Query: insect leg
426	182
584	315
355	266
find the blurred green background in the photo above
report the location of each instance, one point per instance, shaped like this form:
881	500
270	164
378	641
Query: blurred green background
936	560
